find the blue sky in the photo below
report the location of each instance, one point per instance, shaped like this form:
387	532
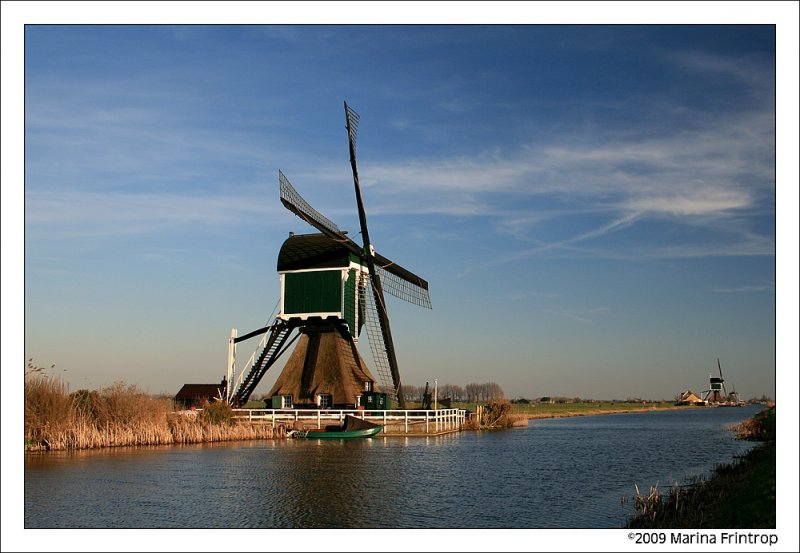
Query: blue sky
594	206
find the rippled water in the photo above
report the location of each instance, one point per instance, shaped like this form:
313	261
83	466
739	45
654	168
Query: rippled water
557	473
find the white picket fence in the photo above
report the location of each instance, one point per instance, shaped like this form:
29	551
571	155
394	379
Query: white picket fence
395	422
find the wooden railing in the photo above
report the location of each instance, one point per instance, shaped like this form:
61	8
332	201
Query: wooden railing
401	421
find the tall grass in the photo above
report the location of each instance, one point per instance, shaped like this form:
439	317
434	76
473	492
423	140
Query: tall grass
48	409
120	415
760	428
495	415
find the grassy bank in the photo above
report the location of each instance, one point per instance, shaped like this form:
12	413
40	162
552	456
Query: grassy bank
120	415
555	410
504	414
737	495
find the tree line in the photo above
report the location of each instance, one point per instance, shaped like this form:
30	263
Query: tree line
471	393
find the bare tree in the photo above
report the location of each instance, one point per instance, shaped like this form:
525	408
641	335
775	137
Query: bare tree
494	391
453	391
411	393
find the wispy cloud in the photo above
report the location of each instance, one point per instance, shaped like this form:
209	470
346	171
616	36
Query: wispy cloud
717	169
586	317
89	213
612	226
748	70
704	171
745	289
714	177
528	294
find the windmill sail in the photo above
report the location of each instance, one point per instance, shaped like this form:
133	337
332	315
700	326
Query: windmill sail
402	283
397	281
295	203
721	380
352	119
377	345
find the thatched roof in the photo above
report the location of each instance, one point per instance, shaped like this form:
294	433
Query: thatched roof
689	396
325	361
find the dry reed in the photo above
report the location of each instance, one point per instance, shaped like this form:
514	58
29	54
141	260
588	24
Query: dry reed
120	415
497	414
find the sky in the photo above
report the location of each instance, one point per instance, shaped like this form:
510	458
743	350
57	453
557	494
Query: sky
603	197
593	206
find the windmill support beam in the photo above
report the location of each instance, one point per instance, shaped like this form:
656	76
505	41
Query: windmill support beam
231	368
249	335
275	347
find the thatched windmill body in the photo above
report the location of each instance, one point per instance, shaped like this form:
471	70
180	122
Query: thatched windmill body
331	288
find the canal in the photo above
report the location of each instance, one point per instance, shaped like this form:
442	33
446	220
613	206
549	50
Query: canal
556	473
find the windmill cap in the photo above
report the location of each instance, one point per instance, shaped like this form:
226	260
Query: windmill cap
313	251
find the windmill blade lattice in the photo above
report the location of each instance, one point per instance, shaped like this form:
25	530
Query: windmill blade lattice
296	204
385	327
352	125
377	345
403	289
722	380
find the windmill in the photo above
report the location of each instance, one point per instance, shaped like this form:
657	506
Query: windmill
331	287
733	397
716	392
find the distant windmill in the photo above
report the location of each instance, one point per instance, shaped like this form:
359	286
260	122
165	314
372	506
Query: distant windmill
330	288
716	392
733	397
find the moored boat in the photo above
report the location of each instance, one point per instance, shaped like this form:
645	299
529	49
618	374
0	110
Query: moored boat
352	427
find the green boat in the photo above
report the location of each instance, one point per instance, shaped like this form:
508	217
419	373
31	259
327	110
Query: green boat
352	427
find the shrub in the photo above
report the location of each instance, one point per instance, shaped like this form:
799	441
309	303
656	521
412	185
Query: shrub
86	403
761	427
217	413
497	414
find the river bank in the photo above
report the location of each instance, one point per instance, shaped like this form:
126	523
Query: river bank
122	415
588	409
737	495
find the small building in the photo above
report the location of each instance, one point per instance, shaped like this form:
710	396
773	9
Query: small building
195	395
689	398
